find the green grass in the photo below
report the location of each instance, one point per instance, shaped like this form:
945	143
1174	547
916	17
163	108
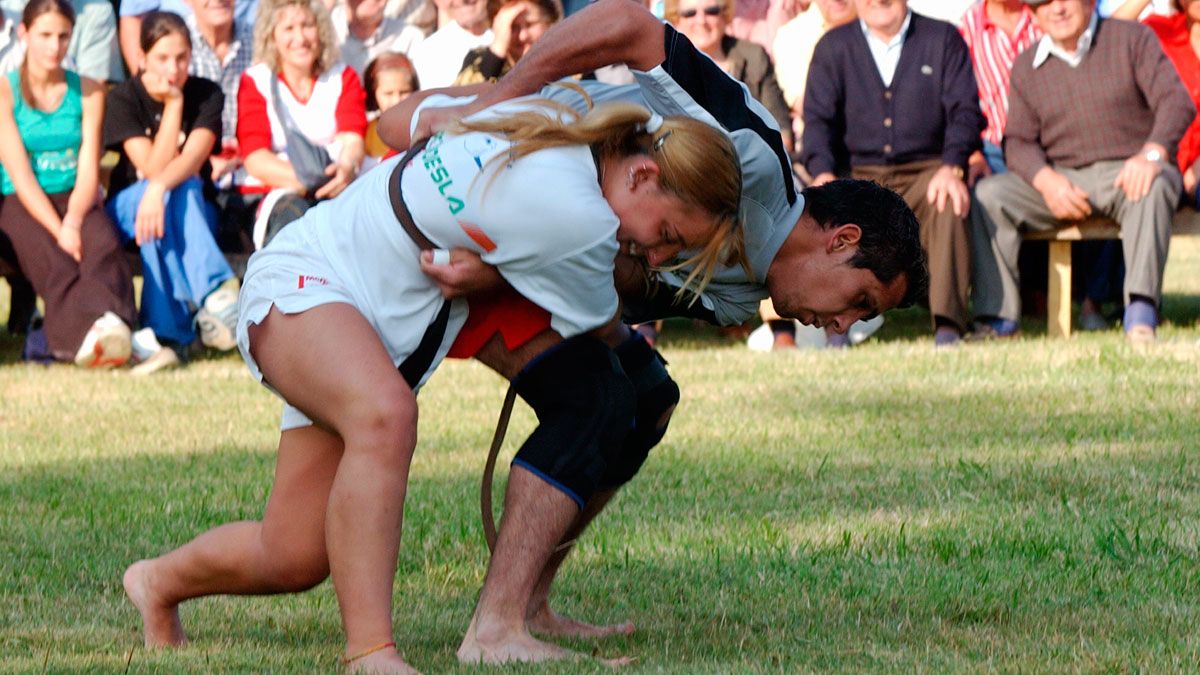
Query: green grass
1031	505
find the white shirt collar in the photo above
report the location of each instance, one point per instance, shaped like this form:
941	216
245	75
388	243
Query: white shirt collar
886	54
897	39
1047	47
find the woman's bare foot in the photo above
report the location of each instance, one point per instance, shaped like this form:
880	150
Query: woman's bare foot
382	662
508	646
160	621
545	621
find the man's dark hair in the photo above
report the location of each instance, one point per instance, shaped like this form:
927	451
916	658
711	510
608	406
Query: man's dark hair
891	236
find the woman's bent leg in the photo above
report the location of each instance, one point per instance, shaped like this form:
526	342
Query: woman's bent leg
330	363
285	552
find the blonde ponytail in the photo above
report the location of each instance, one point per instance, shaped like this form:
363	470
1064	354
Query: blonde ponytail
697	163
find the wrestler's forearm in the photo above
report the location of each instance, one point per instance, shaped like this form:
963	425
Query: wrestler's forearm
605	32
396	121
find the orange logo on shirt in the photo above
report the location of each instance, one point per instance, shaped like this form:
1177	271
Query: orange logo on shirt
478	236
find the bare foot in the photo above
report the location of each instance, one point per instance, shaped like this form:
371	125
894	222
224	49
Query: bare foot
383	662
160	621
497	646
547	622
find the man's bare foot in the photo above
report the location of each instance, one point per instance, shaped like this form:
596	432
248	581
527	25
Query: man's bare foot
547	622
160	622
383	662
501	646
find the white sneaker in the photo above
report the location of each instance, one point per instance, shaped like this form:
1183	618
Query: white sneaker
217	319
106	345
162	359
145	344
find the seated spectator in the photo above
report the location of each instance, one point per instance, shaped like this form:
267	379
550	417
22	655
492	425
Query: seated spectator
164	125
133	11
794	44
758	20
390	79
1180	37
995	32
516	25
363	33
1085	74
222	49
129	25
93	50
439	58
891	98
50	121
704	22
298	84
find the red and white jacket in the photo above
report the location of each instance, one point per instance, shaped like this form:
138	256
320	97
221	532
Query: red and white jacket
337	104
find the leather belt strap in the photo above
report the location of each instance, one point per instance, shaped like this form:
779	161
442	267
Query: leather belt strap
413	368
418	362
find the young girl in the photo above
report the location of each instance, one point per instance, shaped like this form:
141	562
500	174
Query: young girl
338	318
389	79
164	125
50	149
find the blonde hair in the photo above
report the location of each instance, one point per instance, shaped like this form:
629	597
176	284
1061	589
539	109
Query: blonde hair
265	50
697	163
671	11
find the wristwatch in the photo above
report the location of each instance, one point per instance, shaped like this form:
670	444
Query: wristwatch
1153	155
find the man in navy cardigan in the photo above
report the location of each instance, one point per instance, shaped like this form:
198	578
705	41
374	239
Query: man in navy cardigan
892	98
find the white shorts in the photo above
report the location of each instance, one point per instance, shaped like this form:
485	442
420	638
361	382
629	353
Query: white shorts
293	275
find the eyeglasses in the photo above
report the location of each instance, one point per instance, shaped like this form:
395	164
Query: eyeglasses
711	10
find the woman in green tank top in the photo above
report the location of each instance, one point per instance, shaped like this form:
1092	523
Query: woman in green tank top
50	121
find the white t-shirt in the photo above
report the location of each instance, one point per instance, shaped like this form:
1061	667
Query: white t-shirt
541	220
393	35
439	58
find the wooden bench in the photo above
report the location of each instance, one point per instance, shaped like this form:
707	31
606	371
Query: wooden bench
1058	296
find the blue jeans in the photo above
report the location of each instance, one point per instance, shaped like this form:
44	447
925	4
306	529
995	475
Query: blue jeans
182	268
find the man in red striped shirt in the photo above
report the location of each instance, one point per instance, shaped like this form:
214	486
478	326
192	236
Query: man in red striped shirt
995	31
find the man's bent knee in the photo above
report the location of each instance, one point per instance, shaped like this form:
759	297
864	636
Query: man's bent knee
657	396
585	406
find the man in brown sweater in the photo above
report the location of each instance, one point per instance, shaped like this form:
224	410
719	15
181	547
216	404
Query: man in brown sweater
1095	113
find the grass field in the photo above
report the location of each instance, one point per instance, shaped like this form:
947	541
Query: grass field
1031	505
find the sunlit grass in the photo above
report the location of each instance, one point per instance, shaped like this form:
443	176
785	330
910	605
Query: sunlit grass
1031	505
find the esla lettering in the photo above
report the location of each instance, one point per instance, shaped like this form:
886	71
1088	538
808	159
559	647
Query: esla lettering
439	174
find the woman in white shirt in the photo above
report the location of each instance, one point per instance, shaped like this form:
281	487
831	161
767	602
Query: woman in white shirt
338	319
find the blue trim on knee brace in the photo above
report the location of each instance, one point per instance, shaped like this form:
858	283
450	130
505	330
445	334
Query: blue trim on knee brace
549	481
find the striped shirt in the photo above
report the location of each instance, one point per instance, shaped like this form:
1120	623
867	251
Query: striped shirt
227	73
992	54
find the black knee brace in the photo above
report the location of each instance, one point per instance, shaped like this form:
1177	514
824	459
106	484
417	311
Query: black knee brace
585	407
657	393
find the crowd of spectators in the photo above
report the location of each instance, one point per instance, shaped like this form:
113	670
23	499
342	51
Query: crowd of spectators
1092	113
228	119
